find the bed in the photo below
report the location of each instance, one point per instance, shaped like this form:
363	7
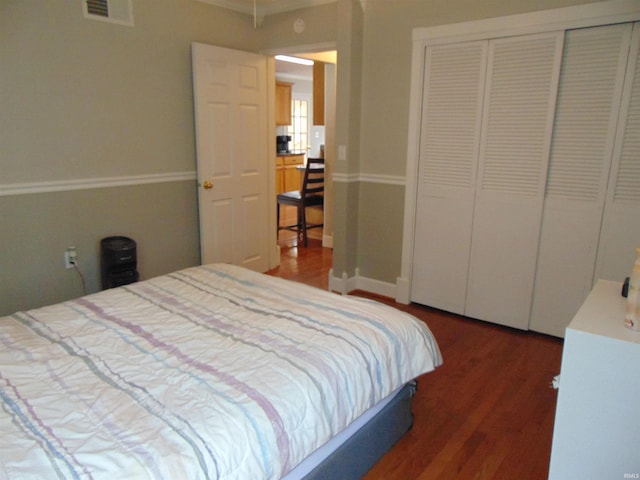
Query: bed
209	372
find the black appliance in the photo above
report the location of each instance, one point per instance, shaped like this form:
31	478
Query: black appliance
118	261
282	143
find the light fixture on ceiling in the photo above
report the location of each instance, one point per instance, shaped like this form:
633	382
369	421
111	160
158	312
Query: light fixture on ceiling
299	61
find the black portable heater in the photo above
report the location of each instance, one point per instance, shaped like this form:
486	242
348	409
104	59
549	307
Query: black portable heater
118	261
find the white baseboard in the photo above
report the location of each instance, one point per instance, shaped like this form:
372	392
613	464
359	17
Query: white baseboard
327	241
402	291
346	284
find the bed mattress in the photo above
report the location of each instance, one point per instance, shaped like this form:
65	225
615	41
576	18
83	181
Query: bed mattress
210	372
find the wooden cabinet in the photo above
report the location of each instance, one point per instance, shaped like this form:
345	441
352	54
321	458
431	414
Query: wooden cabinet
318	93
596	432
288	176
283	103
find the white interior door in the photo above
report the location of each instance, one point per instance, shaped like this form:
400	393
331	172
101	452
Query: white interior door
231	114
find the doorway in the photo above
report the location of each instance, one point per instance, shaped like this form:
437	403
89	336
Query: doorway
313	138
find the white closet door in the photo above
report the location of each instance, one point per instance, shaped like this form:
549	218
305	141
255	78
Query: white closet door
522	80
589	94
450	137
621	224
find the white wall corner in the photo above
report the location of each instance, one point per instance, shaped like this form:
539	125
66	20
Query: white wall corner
343	284
338	284
346	284
327	241
402	291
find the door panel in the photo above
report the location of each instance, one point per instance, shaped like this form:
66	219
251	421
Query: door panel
230	90
621	224
522	80
589	94
450	137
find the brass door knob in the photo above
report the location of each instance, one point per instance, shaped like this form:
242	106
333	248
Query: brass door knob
208	185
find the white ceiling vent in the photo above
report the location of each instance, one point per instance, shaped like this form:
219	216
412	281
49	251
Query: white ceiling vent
113	11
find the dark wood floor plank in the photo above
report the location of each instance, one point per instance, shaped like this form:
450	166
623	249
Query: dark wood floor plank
487	413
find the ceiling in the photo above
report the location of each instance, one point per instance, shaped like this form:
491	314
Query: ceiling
293	71
262	8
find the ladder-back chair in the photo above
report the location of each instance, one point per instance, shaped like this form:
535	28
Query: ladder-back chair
311	195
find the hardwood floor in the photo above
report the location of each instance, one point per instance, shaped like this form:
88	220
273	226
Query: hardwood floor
288	238
487	413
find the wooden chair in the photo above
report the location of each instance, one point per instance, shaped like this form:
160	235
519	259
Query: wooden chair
311	195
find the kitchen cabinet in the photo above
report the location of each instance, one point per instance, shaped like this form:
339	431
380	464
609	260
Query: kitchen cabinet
596	432
288	176
283	103
318	93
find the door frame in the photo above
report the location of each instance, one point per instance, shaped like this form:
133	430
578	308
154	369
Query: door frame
329	135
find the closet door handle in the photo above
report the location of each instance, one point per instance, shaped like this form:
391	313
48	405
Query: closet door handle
208	184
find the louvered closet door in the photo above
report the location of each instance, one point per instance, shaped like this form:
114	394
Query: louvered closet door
621	224
589	94
517	123
450	136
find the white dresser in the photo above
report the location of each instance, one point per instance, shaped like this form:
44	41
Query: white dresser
597	426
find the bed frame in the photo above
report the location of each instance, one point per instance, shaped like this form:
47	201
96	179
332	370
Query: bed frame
355	457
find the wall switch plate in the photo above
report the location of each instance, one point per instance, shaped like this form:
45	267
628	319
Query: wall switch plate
342	152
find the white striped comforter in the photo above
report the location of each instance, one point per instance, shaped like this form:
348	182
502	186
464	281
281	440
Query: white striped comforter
209	372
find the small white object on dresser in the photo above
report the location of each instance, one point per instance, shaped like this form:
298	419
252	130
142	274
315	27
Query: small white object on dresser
597	426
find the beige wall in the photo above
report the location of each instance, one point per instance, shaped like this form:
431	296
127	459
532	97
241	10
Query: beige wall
82	99
85	98
37	228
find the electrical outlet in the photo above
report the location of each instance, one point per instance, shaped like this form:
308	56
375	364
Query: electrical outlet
70	257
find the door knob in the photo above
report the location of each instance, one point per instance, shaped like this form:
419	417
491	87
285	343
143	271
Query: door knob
208	184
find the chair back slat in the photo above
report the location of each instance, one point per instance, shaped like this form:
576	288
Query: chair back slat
313	180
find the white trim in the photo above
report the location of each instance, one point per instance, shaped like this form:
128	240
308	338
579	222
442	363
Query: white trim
384	179
587	15
327	240
369	178
346	284
89	183
403	293
378	287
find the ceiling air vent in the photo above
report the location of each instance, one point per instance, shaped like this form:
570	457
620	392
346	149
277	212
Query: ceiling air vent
113	11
